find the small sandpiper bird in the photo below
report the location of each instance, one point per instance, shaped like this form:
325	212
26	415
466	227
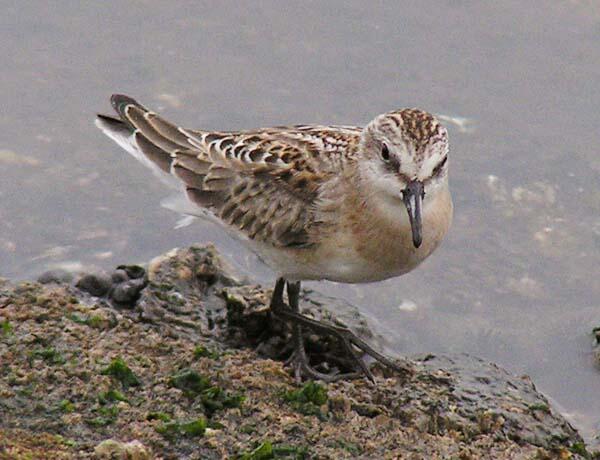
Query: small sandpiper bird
338	203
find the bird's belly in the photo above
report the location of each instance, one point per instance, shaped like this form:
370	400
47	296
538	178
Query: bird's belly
337	259
351	267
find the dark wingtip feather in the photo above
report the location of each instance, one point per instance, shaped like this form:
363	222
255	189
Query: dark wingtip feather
113	124
108	119
120	102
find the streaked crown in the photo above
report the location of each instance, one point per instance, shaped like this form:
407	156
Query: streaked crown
416	128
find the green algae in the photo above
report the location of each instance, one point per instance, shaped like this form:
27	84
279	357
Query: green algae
6	329
203	352
119	371
66	406
191	428
190	382
49	354
213	398
308	399
111	395
268	450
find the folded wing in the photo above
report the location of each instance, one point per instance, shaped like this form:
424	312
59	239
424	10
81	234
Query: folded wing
262	183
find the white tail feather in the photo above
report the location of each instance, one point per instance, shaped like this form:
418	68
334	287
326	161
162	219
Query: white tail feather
127	141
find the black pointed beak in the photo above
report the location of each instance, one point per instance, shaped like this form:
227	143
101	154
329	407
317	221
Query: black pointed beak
413	196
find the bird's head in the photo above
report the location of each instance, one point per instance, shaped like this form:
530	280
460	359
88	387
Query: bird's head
405	156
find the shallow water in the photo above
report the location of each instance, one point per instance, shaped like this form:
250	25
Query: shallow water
515	281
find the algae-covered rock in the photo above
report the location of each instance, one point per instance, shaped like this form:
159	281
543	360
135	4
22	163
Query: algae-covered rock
193	368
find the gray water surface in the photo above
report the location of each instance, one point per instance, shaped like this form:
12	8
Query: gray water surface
515	282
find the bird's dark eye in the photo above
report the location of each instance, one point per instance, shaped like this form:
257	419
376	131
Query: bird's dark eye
385	153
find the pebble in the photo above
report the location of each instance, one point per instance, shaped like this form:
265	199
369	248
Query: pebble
111	449
133	271
407	305
128	292
119	276
97	284
57	275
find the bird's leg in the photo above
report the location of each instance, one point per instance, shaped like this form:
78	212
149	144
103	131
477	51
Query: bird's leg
346	336
299	360
277	302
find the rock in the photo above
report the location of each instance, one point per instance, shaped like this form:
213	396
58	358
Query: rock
484	398
58	275
97	284
195	316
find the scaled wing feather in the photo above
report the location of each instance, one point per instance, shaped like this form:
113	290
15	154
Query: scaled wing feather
263	183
